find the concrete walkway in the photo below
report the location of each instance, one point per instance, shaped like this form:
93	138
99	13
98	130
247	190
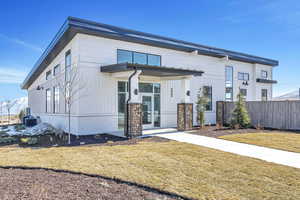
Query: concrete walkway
271	155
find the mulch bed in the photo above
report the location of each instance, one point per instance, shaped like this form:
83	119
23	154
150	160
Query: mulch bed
41	184
213	131
111	140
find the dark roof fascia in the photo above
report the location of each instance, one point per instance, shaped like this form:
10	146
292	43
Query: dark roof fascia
261	80
128	67
188	46
72	26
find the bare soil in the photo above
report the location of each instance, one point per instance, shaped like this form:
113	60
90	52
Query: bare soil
41	184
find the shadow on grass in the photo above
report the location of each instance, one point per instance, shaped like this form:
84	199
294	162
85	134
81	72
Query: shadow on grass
117	180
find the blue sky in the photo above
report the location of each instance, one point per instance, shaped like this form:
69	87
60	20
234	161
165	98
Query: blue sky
268	28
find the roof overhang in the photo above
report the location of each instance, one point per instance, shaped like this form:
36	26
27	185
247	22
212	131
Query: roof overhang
72	26
261	80
150	70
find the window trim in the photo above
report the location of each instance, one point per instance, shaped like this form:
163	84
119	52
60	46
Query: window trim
54	99
266	94
132	56
243	75
210	97
48	104
262	72
229	66
66	66
48	75
56	67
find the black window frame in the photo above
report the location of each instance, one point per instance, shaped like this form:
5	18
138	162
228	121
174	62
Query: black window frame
48	75
48	103
266	92
262	74
68	53
246	92
137	52
209	105
243	75
55	69
226	81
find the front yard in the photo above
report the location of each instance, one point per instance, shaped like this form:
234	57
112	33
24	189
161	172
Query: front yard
180	168
287	141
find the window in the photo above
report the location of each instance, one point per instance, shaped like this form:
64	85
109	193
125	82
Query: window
124	56
56	99
139	58
122	96
264	74
67	65
243	92
243	76
154	60
48	75
56	70
207	92
48	100
264	95
228	83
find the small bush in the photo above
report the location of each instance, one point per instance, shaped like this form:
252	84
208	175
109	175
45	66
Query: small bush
29	141
7	140
240	117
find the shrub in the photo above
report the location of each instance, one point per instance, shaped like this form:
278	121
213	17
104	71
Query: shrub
7	140
201	103
240	117
29	140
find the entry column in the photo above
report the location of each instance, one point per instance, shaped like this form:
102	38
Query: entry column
134	125
185	107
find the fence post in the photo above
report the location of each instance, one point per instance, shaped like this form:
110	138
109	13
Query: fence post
220	113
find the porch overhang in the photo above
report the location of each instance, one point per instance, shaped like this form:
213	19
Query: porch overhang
150	70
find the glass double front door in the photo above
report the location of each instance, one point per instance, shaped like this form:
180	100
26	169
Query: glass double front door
150	98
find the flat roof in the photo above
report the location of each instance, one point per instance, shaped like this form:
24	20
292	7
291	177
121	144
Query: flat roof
150	70
73	25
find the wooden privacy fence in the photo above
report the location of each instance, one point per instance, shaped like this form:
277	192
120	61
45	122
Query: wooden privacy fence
268	114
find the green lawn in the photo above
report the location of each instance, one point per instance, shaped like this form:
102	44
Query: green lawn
287	141
185	169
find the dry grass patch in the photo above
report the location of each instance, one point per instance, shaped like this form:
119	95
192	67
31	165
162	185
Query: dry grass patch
185	169
287	141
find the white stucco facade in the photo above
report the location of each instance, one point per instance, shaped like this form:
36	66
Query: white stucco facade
96	110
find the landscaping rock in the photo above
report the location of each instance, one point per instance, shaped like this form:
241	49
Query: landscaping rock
43	129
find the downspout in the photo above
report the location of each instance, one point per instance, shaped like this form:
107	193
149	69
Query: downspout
129	98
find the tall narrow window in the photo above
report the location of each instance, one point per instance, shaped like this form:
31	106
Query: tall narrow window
244	93
68	65
48	100
56	99
264	95
207	92
122	96
48	75
56	70
264	74
228	83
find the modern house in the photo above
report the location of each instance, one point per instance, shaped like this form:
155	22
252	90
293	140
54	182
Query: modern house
155	78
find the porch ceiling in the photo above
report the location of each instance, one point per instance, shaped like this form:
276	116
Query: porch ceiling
150	70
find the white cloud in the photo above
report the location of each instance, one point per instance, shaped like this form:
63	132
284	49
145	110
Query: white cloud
11	75
21	42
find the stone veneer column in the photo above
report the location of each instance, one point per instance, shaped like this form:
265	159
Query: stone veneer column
184	116
135	127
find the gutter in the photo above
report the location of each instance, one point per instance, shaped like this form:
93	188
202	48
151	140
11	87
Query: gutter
129	98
